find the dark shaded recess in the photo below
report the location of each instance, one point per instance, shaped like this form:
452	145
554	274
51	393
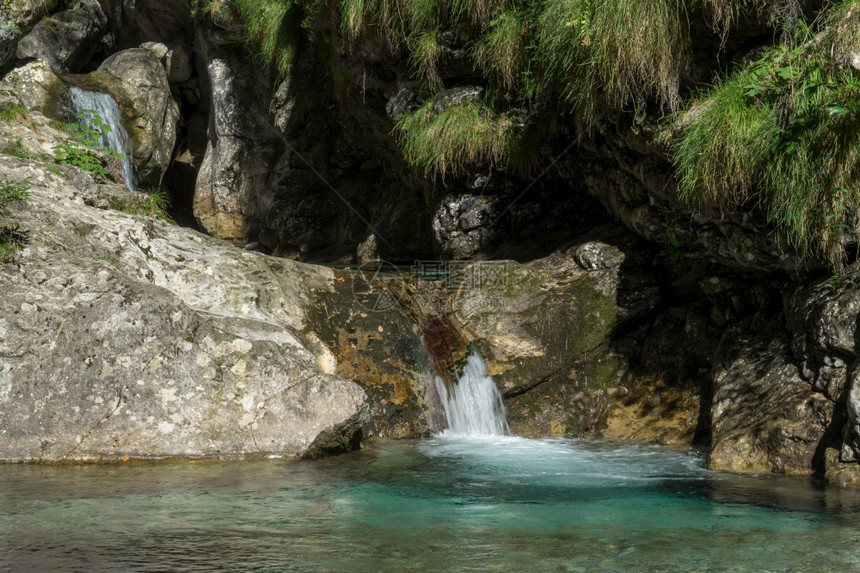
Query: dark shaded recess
180	178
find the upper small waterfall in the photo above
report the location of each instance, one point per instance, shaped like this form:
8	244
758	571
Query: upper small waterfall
474	405
116	138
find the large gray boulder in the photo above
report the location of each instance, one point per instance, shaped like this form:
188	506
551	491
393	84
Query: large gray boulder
138	82
16	20
68	39
124	336
466	224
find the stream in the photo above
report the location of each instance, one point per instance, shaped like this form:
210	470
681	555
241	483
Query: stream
450	503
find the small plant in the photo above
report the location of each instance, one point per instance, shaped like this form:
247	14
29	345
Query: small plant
8	29
86	150
9	192
15	148
83	229
51	23
12	240
11	112
57	171
60	125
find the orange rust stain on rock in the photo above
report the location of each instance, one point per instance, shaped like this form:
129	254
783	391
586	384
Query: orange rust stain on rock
445	345
354	364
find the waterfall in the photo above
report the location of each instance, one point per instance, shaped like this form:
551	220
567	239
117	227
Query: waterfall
474	405
117	138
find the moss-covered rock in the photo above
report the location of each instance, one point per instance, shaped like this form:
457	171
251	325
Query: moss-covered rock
548	331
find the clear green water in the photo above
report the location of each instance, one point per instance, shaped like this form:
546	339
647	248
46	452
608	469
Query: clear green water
447	504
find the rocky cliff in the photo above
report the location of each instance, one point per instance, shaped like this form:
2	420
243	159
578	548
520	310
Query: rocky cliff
562	221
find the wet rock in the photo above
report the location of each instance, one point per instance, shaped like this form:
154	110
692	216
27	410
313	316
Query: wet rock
121	335
824	321
68	39
368	250
374	340
851	433
137	81
179	65
401	103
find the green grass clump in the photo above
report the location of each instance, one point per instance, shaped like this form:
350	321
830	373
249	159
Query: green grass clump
425	58
153	203
637	49
725	145
502	52
563	36
11	239
272	28
11	112
783	135
627	51
844	29
15	148
463	136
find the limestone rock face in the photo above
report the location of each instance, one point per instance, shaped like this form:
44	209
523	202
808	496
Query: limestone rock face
38	88
138	82
67	39
121	335
233	193
824	321
765	417
16	21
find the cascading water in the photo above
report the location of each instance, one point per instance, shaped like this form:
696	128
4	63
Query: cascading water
116	138
474	405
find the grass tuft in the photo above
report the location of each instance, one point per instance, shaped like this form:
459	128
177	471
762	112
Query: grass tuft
463	136
11	112
15	148
782	134
638	49
153	203
273	27
425	58
11	239
502	51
